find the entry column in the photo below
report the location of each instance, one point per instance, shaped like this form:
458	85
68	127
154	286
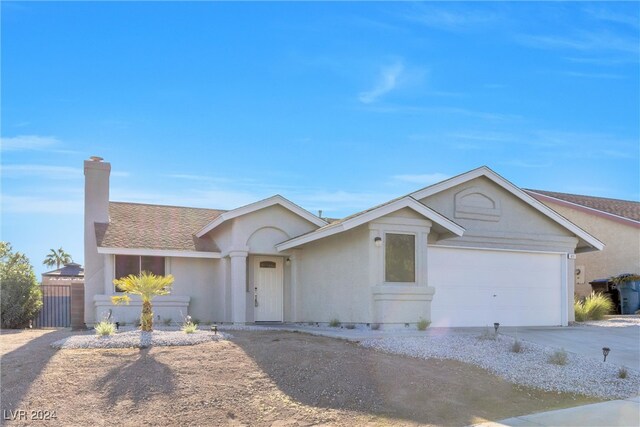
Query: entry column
238	286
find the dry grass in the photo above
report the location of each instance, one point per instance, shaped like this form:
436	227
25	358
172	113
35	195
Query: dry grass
256	379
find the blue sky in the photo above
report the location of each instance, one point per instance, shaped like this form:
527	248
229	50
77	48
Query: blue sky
336	106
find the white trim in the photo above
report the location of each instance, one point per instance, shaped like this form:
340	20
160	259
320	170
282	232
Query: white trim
158	252
478	248
273	200
564	291
521	194
578	205
405	202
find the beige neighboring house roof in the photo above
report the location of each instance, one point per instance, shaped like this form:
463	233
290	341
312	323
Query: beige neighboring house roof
612	208
142	226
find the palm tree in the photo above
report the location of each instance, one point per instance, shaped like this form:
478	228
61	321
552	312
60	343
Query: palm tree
57	257
146	285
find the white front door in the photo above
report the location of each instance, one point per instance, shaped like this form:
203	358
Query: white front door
268	288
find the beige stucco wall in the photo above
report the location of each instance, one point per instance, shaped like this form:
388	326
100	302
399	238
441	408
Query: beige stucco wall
334	279
519	226
620	255
199	279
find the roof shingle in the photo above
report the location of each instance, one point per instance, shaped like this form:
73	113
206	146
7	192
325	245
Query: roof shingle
135	225
624	208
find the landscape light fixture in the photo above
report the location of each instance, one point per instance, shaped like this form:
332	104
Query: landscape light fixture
214	329
496	326
288	261
605	352
377	241
117	326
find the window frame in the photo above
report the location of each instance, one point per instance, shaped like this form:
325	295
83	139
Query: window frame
415	257
115	267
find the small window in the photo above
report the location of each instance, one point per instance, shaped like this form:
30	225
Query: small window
400	258
133	264
267	264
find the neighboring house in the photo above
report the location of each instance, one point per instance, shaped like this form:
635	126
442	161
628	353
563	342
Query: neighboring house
469	251
70	273
614	222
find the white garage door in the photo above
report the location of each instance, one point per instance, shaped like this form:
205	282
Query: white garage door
480	287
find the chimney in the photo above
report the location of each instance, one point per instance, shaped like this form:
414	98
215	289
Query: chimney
96	209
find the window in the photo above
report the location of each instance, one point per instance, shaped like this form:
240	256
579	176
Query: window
400	258
133	264
267	264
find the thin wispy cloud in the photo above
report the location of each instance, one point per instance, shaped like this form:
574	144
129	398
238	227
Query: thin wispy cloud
28	142
605	14
527	165
452	18
443	110
42	205
583	41
48	171
386	82
593	75
422	179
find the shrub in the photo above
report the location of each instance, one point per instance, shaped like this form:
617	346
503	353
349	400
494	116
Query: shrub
597	305
580	312
21	296
622	373
423	324
350	326
167	321
334	323
516	347
105	328
189	327
559	357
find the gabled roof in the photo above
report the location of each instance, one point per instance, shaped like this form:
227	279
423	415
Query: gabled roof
486	172
371	214
69	270
271	201
142	226
615	208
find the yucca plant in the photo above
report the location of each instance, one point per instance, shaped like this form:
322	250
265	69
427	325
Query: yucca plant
147	286
105	328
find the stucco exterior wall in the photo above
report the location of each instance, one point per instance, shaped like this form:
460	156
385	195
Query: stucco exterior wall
334	279
620	255
511	224
201	280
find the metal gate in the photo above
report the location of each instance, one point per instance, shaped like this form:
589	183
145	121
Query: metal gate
56	307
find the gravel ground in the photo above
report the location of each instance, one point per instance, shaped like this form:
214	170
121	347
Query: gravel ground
256	379
138	339
531	367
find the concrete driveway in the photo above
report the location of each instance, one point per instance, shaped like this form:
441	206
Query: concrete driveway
588	341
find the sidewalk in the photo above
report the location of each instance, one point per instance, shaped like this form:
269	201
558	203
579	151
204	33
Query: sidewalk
615	413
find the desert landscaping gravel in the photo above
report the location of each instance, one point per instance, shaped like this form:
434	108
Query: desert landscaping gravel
530	367
138	339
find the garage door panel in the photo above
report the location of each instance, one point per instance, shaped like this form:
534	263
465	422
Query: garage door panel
480	287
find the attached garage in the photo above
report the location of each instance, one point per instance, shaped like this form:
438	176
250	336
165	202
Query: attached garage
481	286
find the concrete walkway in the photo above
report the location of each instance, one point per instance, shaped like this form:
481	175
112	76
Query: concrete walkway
615	413
587	341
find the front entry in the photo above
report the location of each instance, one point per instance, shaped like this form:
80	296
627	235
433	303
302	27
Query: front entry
268	289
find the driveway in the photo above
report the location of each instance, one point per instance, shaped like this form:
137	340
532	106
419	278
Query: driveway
588	341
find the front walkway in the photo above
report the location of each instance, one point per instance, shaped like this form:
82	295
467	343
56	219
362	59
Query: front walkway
615	413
